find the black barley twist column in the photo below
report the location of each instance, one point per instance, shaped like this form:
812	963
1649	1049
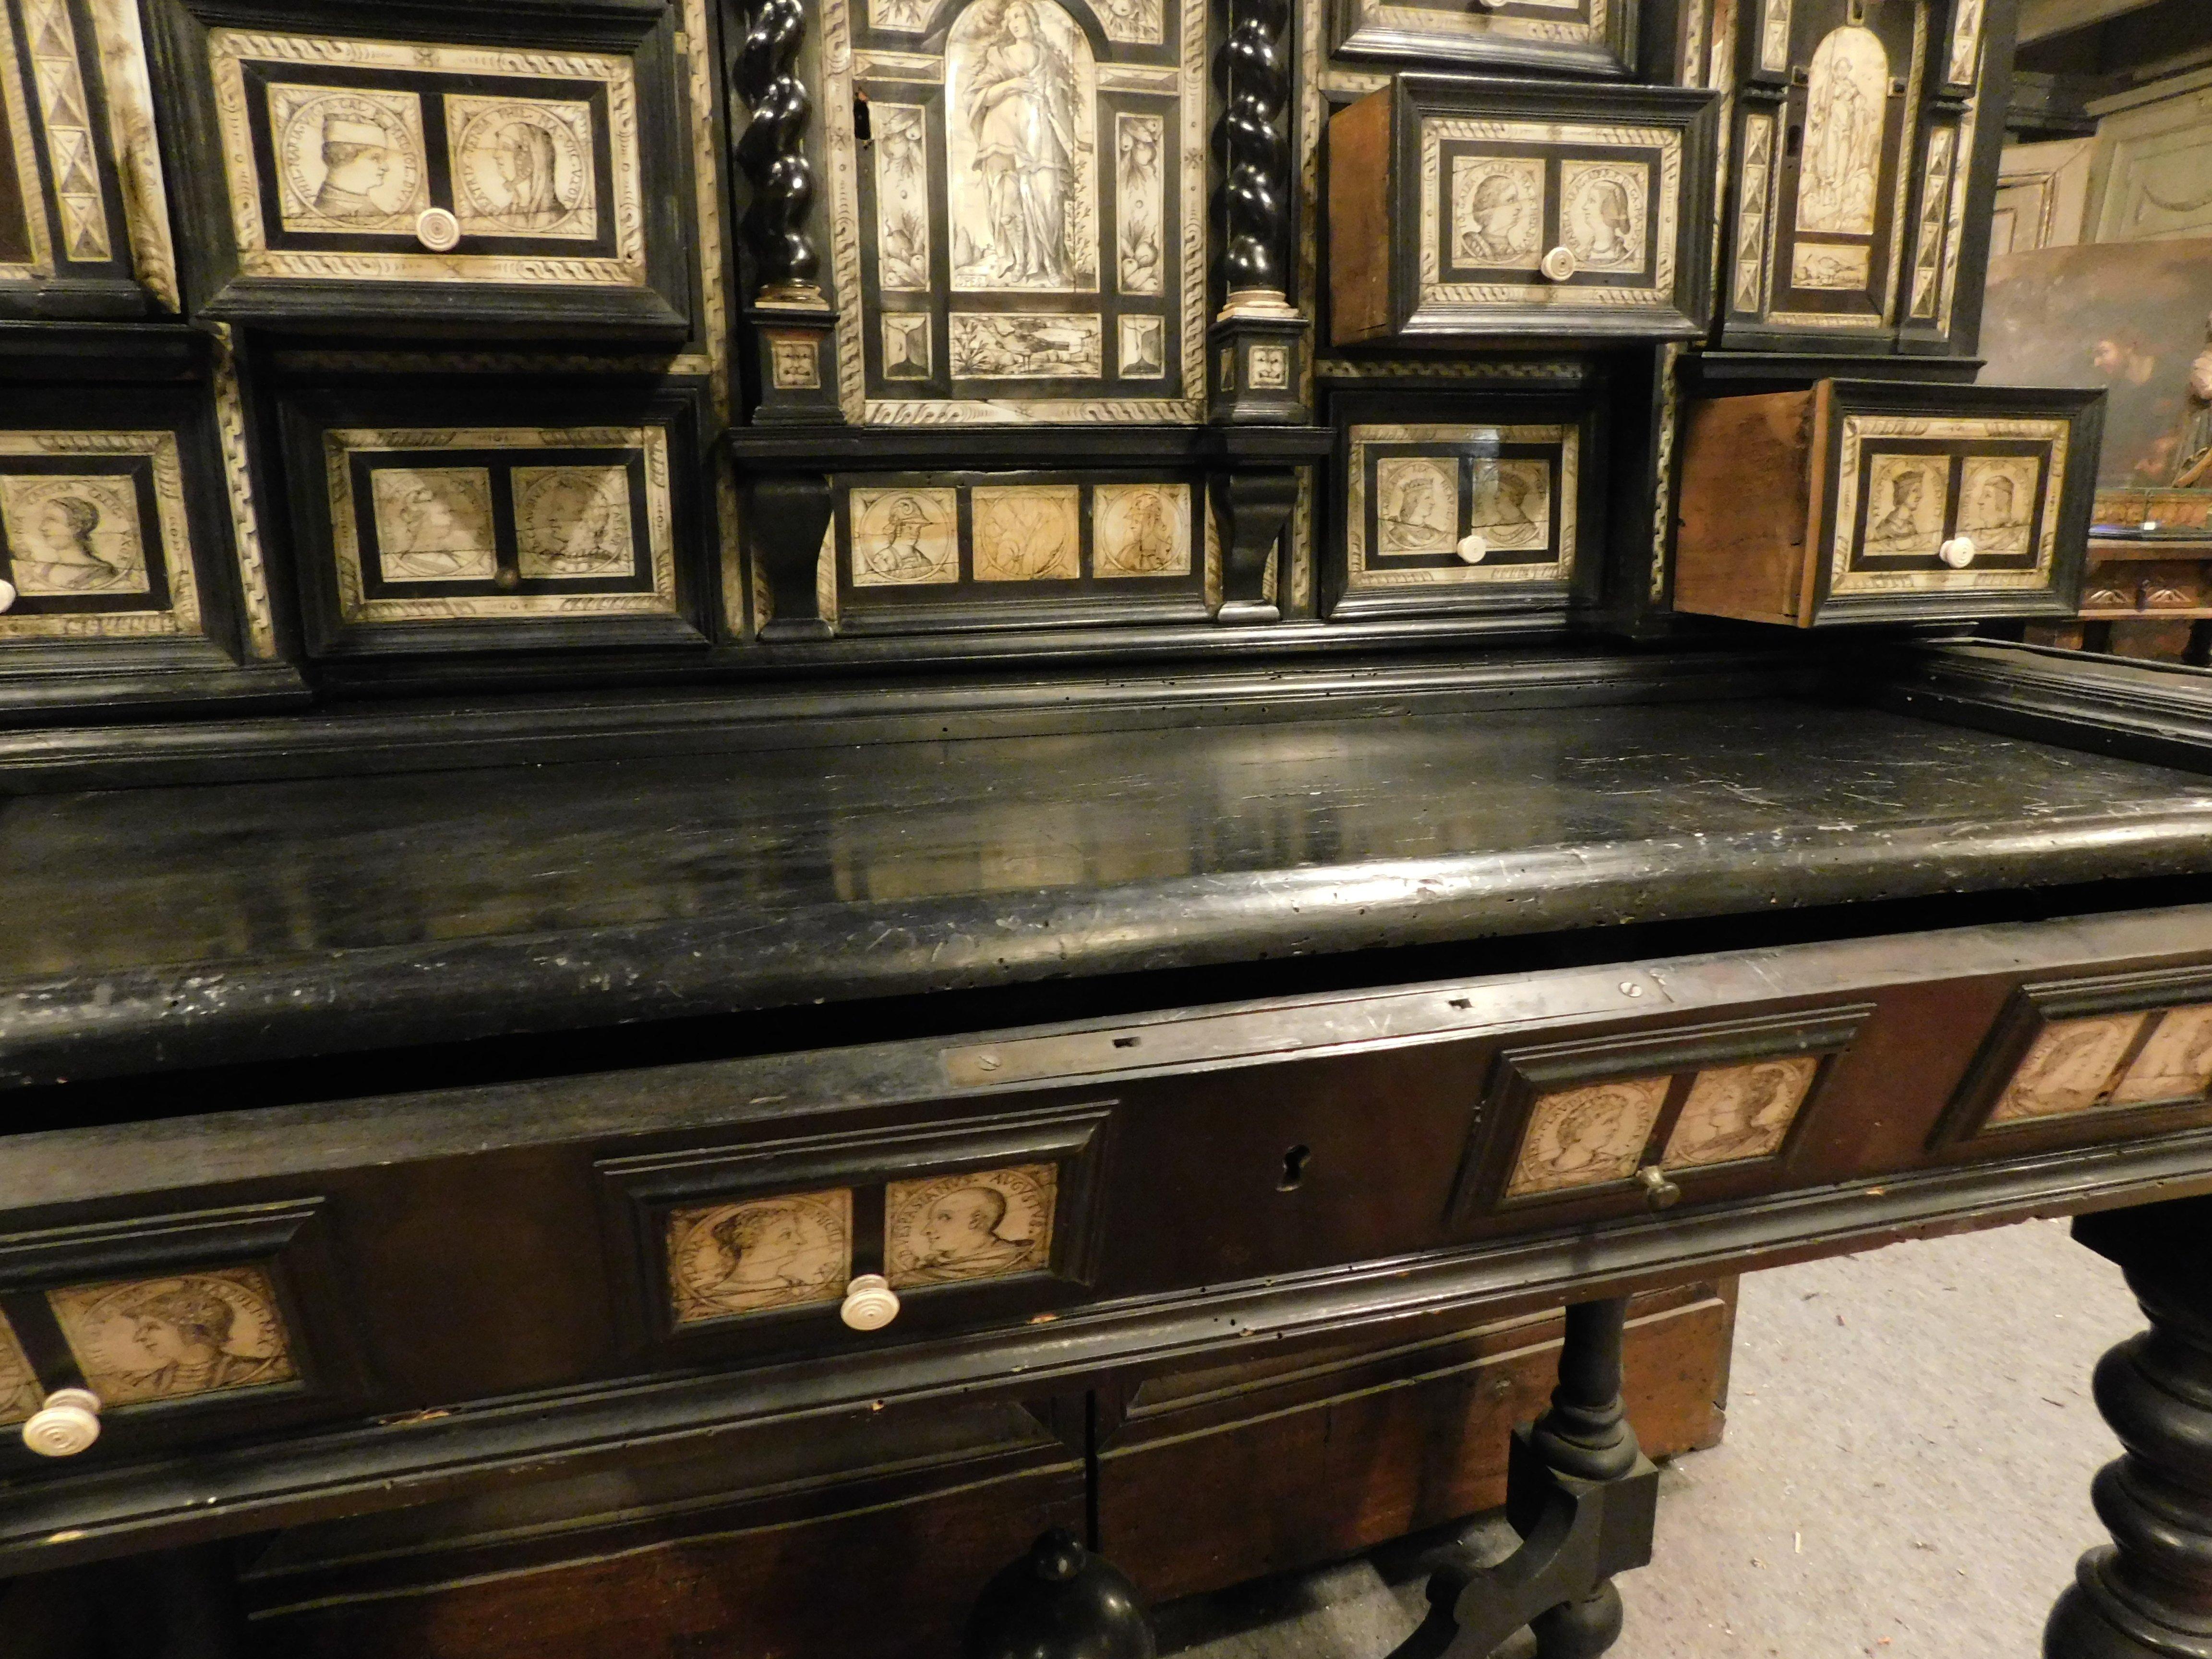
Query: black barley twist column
2149	1596
790	363
1258	336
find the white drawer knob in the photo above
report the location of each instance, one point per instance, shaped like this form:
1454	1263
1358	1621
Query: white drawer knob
1560	264
1958	552
1489	5
65	1424
871	1303
7	594
1474	548
437	230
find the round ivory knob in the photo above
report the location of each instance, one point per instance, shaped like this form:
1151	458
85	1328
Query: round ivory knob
1474	548
65	1424
871	1303
1560	264
7	594
1958	552
437	230
1489	5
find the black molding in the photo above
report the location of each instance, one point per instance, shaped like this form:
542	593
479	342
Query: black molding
2157	712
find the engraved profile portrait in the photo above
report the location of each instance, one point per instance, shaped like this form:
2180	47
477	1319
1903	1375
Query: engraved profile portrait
1905	504
573	521
1579	1137
522	166
1846	106
1997	504
902	537
982	1225
1140	530
175	1337
1740	1111
1027	533
434	524
1602	212
1512	502
1416	505
72	535
1497	211
791	1251
2176	1062
348	160
1019	92
20	1393
2067	1068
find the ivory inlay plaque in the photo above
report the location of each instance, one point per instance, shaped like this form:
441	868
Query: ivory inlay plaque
66	115
1842	266
986	1224
522	166
1752	210
1497	212
73	533
1027	533
1935	208
1583	1136
1140	143
794	1251
1604	213
1846	110
1740	1111
902	537
903	242
1461	504
1144	347
1997	502
906	345
1965	43
2176	1061
1026	345
20	1393
573	521
2067	1068
1906	500
1140	530
434	524
1022	87
348	160
1417	505
177	1337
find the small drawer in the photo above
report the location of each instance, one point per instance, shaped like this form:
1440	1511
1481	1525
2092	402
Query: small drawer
1453	503
476	166
1866	501
1460	207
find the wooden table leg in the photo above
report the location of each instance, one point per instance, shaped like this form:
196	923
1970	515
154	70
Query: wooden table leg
2148	1594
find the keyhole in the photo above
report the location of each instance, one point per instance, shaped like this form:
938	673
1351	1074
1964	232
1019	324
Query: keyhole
860	132
1294	1168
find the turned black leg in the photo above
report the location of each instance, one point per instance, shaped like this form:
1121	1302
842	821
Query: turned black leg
2148	1594
1059	1601
1582	1495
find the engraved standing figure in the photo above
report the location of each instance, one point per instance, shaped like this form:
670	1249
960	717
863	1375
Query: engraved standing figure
1844	118
1021	108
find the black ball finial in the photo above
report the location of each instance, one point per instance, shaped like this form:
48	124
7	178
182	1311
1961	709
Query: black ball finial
1059	1601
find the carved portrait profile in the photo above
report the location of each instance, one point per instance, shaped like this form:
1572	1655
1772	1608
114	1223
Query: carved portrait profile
434	524
1140	530
2067	1068
2176	1061
1997	502
571	521
1905	504
72	533
1511	504
348	160
902	537
986	1224
175	1337
1740	1111
1416	504
1604	212
1027	533
20	1393
522	166
1846	108
790	1251
1497	211
1021	91
1581	1136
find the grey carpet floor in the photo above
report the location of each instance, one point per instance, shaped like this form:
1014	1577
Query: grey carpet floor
1906	1472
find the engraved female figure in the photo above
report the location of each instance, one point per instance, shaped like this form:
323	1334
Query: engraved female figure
1021	107
63	560
524	155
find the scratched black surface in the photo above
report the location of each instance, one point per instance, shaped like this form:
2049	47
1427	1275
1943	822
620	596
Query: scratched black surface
169	926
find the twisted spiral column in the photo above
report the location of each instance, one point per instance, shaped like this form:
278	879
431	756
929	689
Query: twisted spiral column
1254	153
771	152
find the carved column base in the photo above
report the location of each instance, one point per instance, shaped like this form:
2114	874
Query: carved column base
1257	347
2149	1594
792	370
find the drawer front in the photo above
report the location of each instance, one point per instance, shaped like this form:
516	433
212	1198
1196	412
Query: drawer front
1587	36
1510	212
1958	504
348	177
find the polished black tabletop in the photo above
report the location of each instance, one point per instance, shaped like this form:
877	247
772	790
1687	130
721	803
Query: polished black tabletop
167	927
